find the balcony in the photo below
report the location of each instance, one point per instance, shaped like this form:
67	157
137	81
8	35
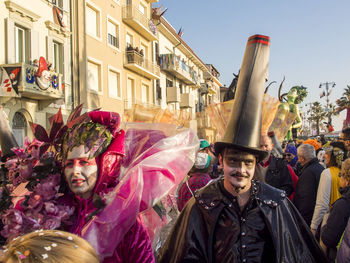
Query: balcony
204	89
133	17
173	94
30	86
172	64
187	101
136	62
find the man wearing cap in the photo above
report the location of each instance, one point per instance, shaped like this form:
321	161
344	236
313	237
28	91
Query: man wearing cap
238	219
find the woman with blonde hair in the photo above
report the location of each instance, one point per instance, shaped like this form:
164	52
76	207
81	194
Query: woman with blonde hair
49	246
328	187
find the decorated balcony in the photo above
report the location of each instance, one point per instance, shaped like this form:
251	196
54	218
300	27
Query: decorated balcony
133	17
178	68
136	62
27	81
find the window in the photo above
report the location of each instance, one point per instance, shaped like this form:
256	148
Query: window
57	62
156	52
94	76
93	21
144	93
142	8
114	84
19	128
129	40
130	86
112	34
144	49
22	44
58	3
169	83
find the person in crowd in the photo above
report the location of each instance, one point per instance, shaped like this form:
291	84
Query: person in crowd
339	215
291	155
277	173
345	137
343	253
317	145
328	189
49	246
307	185
236	218
92	152
197	178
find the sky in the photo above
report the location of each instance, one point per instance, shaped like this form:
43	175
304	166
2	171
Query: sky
310	39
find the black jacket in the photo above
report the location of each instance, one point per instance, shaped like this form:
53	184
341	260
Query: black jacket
306	189
337	220
278	175
192	238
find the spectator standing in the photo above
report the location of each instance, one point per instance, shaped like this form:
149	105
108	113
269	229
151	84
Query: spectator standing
277	174
307	185
339	215
197	178
328	189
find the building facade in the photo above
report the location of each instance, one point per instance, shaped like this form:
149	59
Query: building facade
35	62
114	65
111	55
182	73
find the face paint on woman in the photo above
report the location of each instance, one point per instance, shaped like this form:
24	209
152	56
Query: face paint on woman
80	172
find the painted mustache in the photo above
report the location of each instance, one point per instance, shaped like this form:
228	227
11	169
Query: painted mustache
239	175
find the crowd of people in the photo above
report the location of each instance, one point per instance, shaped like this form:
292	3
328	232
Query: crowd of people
92	191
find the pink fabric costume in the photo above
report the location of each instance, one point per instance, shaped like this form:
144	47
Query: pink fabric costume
135	246
154	164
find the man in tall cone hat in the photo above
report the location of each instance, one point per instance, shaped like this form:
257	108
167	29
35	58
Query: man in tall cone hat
238	219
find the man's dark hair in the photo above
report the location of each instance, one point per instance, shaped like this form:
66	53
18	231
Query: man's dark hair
346	132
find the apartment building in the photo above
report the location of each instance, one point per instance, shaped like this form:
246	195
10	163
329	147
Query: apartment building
35	62
114	65
182	73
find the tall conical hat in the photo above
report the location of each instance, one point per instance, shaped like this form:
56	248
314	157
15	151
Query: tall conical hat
243	130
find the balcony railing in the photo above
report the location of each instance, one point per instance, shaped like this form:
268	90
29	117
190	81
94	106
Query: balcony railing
139	21
138	63
47	87
112	40
179	68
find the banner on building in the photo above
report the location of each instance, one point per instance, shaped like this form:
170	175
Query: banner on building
9	80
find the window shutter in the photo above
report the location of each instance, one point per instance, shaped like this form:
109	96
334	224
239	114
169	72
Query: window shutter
66	64
34	45
11	52
49	49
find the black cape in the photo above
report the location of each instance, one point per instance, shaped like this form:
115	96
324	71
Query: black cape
192	238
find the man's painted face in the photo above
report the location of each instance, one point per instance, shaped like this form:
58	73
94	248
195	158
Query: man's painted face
80	172
238	169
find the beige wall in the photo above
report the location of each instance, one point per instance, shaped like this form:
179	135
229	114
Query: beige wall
110	58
